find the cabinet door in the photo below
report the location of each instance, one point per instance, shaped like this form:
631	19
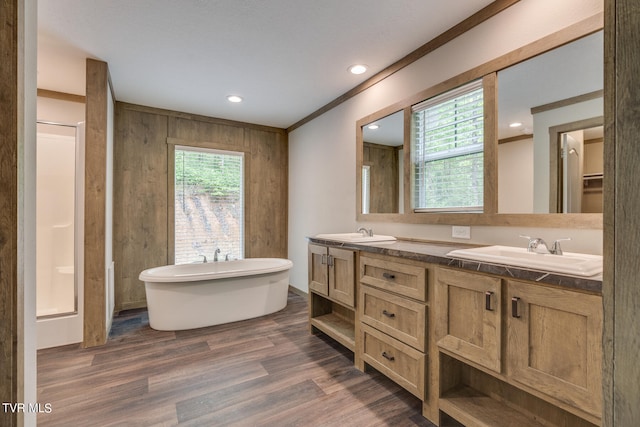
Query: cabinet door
468	316
342	278
318	269
554	343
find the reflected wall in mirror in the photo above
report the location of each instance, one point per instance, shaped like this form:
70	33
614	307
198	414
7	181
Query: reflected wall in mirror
579	179
537	99
382	165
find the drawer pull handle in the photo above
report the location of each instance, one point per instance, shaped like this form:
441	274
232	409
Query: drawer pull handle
386	356
514	307
487	300
389	315
389	276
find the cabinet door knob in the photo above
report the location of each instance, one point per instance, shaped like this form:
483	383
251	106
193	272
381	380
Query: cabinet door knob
487	300
388	357
514	307
388	276
389	315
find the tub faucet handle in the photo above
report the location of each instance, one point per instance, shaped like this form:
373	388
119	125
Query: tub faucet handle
204	258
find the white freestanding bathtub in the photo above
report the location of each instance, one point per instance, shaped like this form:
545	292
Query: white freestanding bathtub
188	296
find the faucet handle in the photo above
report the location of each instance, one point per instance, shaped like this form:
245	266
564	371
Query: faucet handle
555	248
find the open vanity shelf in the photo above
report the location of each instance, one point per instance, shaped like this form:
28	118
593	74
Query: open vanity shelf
472	398
333	319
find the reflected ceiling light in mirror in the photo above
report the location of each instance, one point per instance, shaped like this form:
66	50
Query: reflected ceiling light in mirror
515	124
373	126
357	69
234	98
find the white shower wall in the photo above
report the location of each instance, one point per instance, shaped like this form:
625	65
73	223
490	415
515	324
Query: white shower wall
55	224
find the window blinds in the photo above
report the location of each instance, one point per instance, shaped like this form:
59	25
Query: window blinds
209	204
447	151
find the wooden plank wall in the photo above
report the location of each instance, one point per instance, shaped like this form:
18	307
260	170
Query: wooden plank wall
95	290
142	195
9	145
384	177
621	292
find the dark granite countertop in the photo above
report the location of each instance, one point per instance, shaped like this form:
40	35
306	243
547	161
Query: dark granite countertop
436	253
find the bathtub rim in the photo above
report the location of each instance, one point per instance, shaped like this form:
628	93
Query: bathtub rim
167	273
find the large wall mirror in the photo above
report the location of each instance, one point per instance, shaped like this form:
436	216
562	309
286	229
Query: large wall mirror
382	164
543	139
550	116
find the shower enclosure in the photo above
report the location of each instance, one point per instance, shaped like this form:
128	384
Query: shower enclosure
59	233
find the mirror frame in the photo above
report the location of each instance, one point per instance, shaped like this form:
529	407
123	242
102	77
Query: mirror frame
488	72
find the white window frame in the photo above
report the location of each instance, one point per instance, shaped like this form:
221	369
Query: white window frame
210	254
420	160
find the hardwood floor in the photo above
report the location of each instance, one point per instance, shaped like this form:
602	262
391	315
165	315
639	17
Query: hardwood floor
268	371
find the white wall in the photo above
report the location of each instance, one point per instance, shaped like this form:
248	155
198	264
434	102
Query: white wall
27	337
322	152
515	176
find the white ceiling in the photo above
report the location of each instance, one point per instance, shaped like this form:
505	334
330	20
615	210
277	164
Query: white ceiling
568	71
286	58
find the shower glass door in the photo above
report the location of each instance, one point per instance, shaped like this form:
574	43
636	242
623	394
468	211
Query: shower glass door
59	233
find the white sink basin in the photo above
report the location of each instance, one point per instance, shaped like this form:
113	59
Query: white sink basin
568	263
356	237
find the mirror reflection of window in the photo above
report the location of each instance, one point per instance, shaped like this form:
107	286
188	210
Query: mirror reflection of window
366	189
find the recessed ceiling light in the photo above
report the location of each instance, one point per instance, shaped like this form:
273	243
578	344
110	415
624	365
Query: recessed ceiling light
234	98
515	125
358	69
373	126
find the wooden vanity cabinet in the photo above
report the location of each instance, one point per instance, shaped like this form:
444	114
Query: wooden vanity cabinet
392	316
332	273
554	343
332	290
477	349
518	348
469	313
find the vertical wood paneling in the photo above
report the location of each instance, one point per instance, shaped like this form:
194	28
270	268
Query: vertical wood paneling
621	218
95	329
384	177
266	215
221	135
9	143
143	229
140	201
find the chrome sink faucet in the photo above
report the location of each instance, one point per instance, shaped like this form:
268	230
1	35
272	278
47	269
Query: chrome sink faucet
215	255
539	246
365	231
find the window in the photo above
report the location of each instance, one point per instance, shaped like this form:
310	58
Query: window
209	204
447	151
366	188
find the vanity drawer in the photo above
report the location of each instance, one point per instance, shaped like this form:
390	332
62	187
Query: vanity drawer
403	364
399	317
403	279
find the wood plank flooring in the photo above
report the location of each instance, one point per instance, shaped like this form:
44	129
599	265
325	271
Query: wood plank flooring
268	371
